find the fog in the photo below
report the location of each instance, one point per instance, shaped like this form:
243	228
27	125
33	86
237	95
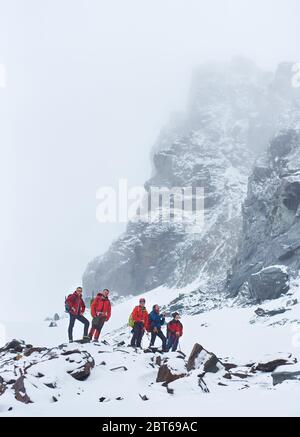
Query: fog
89	85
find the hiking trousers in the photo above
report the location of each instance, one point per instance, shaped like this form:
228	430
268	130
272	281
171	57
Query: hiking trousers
95	330
159	334
81	319
172	342
138	333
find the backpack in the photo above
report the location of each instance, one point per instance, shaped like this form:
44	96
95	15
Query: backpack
148	325
67	306
130	321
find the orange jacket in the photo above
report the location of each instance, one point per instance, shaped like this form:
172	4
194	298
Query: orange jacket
140	314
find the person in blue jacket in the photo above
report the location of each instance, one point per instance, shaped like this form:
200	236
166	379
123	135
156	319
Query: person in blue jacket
156	321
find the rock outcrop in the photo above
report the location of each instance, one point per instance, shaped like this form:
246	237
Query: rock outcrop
269	251
29	372
233	111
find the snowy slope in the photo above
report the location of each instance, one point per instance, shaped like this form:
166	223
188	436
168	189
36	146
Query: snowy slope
234	334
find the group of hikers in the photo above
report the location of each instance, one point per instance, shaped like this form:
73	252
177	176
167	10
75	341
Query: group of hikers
140	321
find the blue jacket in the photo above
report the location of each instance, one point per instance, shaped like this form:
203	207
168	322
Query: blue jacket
156	320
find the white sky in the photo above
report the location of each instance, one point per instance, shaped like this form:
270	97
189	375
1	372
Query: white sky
89	84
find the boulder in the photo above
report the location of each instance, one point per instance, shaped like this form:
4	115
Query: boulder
170	370
83	372
203	360
14	346
269	365
20	391
286	373
269	313
269	283
52	324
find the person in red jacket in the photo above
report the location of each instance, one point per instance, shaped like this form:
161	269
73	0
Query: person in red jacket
101	312
141	322
174	332
76	308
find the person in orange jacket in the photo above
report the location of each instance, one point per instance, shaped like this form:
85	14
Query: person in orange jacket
141	323
101	312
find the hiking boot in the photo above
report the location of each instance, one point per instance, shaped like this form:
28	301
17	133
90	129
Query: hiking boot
86	339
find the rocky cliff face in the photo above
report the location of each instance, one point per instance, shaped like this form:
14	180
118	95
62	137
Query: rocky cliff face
269	251
233	110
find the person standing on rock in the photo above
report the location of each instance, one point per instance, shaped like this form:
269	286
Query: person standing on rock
101	312
174	332
75	306
156	321
140	319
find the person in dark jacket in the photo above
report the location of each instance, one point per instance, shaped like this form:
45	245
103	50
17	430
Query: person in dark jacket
76	308
174	332
156	321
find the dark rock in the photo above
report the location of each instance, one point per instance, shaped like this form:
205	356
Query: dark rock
201	358
56	317
194	354
119	368
165	374
240	375
119	398
270	366
2	388
14	345
269	283
121	343
67	353
83	372
50	385
20	391
28	351
229	366
144	398
105	342
203	385
102	399
170	390
158	360
52	325
280	376
54	399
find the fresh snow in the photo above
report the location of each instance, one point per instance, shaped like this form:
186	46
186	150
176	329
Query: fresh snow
233	333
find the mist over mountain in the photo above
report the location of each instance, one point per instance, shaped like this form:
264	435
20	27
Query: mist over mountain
234	111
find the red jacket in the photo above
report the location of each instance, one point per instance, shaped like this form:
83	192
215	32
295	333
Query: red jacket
77	306
101	306
140	314
175	326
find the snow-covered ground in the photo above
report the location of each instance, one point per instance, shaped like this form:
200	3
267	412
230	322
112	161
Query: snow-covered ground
235	334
